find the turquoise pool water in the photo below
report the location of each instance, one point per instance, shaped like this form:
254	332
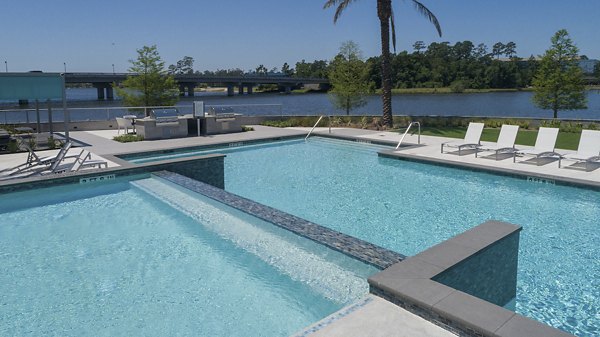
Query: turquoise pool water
147	258
408	207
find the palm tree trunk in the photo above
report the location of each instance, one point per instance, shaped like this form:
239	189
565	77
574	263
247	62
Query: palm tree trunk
384	11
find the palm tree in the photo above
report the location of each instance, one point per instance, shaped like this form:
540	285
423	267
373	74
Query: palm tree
386	19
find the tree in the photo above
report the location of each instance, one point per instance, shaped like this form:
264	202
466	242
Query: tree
261	70
481	51
510	49
285	69
498	49
348	76
184	66
386	19
558	81
150	86
418	46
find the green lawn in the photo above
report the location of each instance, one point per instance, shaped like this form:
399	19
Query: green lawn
566	140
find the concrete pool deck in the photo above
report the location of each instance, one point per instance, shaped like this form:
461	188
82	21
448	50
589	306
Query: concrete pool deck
100	143
366	320
373	317
430	151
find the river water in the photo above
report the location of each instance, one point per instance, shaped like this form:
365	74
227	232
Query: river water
498	104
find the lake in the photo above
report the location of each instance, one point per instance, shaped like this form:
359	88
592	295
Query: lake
497	104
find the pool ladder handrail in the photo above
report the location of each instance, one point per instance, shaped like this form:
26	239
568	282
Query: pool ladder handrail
405	132
317	123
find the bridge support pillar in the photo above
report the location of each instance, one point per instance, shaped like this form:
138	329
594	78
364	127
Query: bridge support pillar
241	89
229	89
190	90
100	91
182	89
288	89
249	89
109	93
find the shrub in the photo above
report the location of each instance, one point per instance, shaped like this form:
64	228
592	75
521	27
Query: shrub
551	123
31	142
51	143
592	126
364	122
247	128
524	124
128	138
457	86
13	146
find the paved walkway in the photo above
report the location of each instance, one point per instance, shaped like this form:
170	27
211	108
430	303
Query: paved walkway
373	317
100	143
431	150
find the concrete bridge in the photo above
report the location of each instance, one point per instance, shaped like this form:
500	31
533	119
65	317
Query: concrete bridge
103	82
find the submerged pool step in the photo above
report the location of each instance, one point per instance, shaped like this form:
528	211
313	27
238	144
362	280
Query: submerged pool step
325	277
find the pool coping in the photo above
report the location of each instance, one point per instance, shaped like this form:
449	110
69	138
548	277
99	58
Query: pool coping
514	173
126	156
411	285
125	169
359	249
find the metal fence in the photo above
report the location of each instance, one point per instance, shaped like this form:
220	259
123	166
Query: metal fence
21	116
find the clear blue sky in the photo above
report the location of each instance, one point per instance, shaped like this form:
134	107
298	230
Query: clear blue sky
92	35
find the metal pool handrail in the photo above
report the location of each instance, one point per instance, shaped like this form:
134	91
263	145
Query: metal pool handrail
405	132
317	123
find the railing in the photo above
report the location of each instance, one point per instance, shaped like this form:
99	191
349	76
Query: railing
317	123
93	114
406	132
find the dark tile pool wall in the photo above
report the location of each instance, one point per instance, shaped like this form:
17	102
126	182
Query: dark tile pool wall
490	274
208	169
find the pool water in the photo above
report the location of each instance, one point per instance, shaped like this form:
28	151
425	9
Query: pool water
148	258
408	207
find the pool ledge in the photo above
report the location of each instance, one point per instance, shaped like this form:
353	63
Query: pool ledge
445	284
351	246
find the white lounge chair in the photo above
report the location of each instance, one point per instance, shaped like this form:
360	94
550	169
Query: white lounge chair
38	170
471	140
588	150
125	124
506	141
81	161
35	162
544	145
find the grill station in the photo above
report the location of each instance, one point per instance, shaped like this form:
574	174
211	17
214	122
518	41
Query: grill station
162	124
164	117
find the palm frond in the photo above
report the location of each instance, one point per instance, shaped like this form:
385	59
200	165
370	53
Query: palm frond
428	14
341	5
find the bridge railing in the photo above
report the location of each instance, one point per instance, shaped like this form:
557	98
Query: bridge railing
21	116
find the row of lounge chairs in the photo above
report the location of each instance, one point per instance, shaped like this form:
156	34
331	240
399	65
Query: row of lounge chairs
588	151
61	162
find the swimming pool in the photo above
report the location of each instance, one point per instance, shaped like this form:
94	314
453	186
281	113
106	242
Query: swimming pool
146	257
408	207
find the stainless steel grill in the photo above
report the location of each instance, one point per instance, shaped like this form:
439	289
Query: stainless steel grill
164	116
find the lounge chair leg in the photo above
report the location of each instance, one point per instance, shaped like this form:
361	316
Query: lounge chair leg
442	149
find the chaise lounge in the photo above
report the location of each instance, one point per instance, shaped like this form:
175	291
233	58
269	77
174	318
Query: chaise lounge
506	141
471	140
588	151
544	145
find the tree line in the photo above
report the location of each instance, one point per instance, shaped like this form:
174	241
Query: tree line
460	66
441	64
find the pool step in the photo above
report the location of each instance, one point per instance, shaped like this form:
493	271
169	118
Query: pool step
325	277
